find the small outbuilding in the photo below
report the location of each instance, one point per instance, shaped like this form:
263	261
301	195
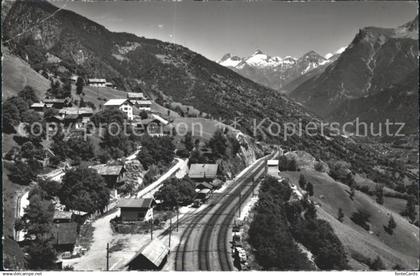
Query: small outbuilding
203	172
114	175
65	235
152	256
136	209
203	185
62	216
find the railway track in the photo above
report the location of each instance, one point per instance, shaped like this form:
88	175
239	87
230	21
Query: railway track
215	220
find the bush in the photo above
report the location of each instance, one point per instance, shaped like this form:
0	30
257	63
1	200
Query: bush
22	173
176	192
361	218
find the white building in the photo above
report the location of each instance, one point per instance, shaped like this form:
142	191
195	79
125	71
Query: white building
122	104
99	83
273	167
139	101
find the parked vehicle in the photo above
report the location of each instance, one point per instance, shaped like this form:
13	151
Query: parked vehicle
197	203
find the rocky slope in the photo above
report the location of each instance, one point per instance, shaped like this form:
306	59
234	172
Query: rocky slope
376	59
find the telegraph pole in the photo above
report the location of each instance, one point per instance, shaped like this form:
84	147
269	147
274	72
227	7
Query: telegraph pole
240	202
107	257
177	217
170	232
151	229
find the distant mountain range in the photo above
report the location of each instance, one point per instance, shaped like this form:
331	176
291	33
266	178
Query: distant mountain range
377	61
273	71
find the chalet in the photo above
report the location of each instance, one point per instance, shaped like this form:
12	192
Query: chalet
139	101
56	103
39	106
124	105
65	235
136	209
114	175
78	115
99	83
62	216
73	78
152	256
203	172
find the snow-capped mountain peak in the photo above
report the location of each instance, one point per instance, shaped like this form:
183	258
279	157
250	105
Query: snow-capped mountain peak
230	61
273	71
338	52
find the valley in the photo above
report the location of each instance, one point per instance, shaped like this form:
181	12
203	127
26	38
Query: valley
208	141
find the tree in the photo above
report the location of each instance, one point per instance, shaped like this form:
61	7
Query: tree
28	95
27	150
218	144
352	192
85	190
293	166
176	192
51	187
108	116
410	208
379	191
350	180
143	115
79	86
340	215
66	88
156	150
391	225
310	189
361	218
37	223
377	264
188	141
302	181
21	173
11	117
49	113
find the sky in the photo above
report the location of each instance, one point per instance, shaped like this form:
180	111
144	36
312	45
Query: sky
238	27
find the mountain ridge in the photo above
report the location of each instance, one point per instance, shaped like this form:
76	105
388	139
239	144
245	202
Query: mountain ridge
374	60
273	71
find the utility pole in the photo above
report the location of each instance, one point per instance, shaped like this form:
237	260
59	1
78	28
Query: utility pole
177	217
151	229
240	202
107	257
170	232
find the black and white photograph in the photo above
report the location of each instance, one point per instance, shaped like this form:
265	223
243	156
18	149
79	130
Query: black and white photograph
179	135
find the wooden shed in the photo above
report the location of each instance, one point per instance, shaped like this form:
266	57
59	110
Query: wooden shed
152	256
136	209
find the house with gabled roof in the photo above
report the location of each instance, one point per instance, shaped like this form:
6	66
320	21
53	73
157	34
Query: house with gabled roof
203	172
139	101
152	256
114	175
65	235
124	105
136	209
